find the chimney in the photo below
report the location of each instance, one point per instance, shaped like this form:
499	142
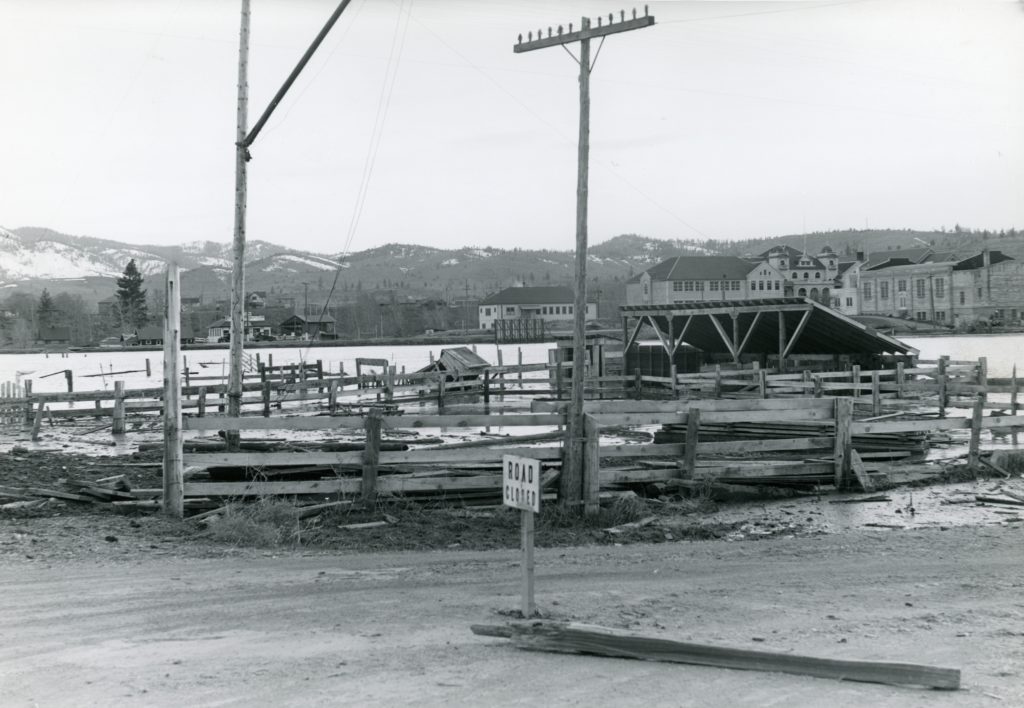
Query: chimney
986	258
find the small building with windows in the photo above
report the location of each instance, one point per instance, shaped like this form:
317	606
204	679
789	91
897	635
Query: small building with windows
551	304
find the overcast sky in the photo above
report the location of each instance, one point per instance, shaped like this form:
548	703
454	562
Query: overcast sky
727	119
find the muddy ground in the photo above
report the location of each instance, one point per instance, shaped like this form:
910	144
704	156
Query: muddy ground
327	628
108	607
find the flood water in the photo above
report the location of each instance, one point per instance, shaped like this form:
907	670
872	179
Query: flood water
92	370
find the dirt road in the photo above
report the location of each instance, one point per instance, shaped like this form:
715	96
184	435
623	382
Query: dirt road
382	630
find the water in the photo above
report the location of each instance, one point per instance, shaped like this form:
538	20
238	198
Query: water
214	362
1002	350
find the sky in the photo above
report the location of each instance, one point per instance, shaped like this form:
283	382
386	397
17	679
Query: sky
417	123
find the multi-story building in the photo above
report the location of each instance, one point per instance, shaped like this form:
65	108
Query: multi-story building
550	304
943	288
705	278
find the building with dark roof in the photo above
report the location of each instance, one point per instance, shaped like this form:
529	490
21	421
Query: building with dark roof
705	279
945	289
550	303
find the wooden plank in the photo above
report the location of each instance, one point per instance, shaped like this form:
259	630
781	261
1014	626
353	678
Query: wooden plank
388	422
591	639
409	457
974	447
754	446
705	405
911	426
797	332
857	465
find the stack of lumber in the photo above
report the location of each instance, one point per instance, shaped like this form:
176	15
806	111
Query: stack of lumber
875	442
111	490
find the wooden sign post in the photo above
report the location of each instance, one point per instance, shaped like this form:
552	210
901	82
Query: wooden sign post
521	490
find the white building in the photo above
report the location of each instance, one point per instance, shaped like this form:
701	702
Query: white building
550	304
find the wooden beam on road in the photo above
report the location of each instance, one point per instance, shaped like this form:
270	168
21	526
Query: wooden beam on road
574	638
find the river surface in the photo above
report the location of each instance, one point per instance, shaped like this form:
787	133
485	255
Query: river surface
92	369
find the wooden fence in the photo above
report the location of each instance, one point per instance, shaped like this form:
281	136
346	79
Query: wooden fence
829	458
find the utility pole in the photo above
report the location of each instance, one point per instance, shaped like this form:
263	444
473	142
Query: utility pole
244	139
571	480
305	306
236	340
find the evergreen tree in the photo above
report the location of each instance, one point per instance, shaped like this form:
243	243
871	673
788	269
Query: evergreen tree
46	312
131	298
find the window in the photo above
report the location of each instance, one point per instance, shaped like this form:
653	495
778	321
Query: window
677	286
778	285
544	310
922	316
794	275
835	302
867	291
920	287
737	285
940	316
487	311
760	285
806	275
901	286
688	286
940	287
849	302
979	292
883	290
714	285
700	285
510	310
647	290
570	310
817	274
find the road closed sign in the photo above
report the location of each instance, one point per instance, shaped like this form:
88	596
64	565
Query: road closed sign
521	483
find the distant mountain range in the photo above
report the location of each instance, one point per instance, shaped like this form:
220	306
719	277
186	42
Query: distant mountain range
32	258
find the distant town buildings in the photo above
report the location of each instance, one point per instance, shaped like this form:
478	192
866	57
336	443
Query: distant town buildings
550	304
918	284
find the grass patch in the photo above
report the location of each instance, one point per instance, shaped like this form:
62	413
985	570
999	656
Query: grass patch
266	523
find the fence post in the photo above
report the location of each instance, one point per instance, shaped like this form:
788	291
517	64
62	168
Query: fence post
855	377
901	378
843	440
942	395
320	376
718	380
519	360
371	456
173	497
974	448
201	402
819	390
675	381
1013	400
332	397
487	386
265	387
692	436
983	377
38	421
440	392
149	370
591	466
876	394
69	377
118	425
559	373
762	383
27	417
390	393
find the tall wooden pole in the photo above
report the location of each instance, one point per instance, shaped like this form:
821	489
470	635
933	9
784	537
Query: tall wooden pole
238	260
173	499
571	479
